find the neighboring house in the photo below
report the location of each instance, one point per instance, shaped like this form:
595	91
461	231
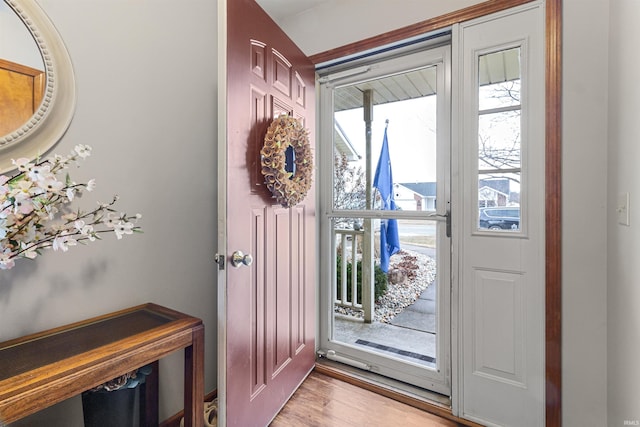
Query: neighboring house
415	196
421	196
489	197
496	192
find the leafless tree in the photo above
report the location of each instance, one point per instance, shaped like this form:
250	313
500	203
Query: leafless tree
349	184
499	145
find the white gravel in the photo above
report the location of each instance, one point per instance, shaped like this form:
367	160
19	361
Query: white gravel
419	271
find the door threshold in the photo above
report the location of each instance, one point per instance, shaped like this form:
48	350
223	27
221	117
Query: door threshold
428	401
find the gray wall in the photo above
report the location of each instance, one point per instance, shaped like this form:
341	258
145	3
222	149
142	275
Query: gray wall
584	214
623	296
146	81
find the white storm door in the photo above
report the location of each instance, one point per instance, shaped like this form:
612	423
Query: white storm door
415	351
501	175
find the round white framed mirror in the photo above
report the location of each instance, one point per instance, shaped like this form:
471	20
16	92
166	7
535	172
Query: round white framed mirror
53	104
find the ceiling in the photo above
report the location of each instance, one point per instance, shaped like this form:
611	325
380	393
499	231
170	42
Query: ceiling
399	87
282	9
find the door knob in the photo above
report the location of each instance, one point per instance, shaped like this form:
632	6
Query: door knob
238	259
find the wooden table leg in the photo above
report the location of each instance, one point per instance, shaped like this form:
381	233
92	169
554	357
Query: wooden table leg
194	380
149	414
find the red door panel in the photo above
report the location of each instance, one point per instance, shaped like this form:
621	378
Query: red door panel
270	304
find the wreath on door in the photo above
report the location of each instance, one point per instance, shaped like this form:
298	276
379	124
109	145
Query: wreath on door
288	181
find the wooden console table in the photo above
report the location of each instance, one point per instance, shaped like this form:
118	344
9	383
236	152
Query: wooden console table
42	369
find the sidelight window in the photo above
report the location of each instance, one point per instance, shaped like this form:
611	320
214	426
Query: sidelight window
499	140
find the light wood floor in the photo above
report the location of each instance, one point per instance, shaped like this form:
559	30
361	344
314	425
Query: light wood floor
323	401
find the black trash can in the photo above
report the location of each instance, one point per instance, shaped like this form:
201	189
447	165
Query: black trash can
109	408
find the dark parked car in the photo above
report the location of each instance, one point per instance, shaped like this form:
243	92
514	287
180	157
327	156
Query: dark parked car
500	218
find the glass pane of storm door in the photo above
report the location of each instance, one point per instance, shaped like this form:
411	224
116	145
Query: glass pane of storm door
403	321
385	256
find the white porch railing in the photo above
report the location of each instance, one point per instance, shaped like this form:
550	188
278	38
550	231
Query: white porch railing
352	246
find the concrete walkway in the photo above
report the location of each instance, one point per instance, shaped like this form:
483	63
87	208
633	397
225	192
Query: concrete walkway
421	315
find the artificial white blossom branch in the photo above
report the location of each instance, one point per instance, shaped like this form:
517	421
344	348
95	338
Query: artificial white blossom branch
35	212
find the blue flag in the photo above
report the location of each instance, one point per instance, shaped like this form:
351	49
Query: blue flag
383	181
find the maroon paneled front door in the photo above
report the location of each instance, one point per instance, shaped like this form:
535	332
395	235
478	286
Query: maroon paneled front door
270	312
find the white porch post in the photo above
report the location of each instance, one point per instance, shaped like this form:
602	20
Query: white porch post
367	238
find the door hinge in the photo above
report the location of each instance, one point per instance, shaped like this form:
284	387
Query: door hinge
219	259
